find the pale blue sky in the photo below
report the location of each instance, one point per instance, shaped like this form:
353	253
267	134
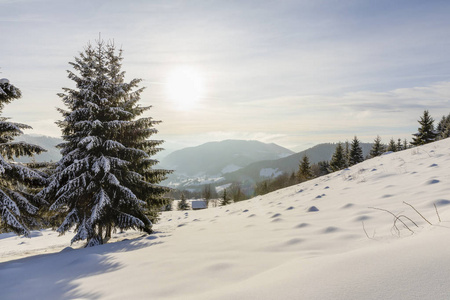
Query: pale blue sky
296	73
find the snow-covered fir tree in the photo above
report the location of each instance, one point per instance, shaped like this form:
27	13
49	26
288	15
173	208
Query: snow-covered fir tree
426	133
106	178
18	205
356	154
377	148
338	160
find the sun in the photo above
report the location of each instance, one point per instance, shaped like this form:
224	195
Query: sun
184	87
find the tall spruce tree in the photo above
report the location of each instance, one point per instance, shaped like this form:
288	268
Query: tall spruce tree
338	160
106	178
356	153
377	148
426	133
18	205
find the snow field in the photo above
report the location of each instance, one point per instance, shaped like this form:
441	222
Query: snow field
303	242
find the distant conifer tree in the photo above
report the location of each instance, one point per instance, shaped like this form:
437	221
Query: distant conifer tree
304	170
377	148
405	144
183	204
347	154
225	199
392	146
18	206
105	179
399	145
443	128
338	161
324	167
356	153
426	133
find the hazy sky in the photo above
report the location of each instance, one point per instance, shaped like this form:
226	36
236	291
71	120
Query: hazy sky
296	73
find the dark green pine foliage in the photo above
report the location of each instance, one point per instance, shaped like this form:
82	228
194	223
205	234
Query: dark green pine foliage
225	199
356	153
18	205
426	133
324	167
338	160
443	127
105	179
304	169
399	145
392	146
347	154
378	148
182	204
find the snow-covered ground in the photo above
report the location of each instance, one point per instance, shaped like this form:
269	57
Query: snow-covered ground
323	239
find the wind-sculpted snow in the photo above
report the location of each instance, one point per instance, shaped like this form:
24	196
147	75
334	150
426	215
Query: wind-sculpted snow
289	244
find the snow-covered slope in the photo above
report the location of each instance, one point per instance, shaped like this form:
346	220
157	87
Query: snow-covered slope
328	238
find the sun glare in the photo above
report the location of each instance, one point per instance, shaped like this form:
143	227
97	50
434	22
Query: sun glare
184	87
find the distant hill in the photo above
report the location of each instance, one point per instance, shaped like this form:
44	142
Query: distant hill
271	168
46	142
208	162
221	157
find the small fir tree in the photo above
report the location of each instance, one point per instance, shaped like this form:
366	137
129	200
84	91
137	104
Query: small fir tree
18	205
183	204
304	169
443	128
399	145
207	194
426	133
324	167
392	146
405	144
225	199
347	154
338	161
378	148
236	192
168	206
105	179
356	153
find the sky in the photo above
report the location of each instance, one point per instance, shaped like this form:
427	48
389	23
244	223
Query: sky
294	73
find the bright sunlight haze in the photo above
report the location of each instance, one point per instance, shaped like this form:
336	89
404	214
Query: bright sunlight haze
184	87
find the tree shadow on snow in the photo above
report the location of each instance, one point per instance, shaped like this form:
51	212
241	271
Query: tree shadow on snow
54	276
